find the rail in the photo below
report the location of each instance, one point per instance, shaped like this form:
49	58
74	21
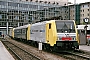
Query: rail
79	54
31	56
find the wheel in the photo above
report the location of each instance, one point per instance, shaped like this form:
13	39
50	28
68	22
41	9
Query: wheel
44	47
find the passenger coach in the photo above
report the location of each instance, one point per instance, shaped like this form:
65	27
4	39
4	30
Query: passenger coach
22	32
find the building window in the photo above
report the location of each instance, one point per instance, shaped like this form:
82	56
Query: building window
4	23
0	23
83	10
88	14
26	0
83	14
88	5
0	16
83	5
88	9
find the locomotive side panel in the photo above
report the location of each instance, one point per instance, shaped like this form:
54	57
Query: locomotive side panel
37	32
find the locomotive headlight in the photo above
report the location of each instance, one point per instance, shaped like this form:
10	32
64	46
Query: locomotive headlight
74	38
59	38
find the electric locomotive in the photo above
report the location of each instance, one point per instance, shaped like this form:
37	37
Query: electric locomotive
55	34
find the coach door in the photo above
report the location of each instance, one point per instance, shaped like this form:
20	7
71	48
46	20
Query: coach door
48	29
82	37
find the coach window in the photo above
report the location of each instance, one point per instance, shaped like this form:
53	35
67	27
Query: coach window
36	30
49	26
40	30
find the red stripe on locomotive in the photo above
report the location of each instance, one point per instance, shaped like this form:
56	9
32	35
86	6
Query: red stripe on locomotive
66	38
88	36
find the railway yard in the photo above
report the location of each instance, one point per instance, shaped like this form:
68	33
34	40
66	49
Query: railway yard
23	51
44	30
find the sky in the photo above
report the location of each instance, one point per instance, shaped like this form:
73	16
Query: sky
79	1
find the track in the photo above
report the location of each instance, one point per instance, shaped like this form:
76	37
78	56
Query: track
20	53
72	55
76	55
80	54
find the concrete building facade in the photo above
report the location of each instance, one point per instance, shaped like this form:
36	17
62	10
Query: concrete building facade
14	13
79	12
74	13
84	11
18	13
59	2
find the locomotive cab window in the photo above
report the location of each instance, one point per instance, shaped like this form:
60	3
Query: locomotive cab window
49	26
63	26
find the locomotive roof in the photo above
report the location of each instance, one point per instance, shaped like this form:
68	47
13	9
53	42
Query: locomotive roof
20	27
44	22
39	23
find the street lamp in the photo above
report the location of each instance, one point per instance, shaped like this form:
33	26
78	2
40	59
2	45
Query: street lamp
86	20
46	8
7	25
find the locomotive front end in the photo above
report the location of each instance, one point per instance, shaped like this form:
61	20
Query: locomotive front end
66	35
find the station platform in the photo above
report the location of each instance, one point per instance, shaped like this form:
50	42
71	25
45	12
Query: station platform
84	48
4	54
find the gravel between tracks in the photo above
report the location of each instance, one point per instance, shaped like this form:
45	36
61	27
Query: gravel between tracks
42	54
